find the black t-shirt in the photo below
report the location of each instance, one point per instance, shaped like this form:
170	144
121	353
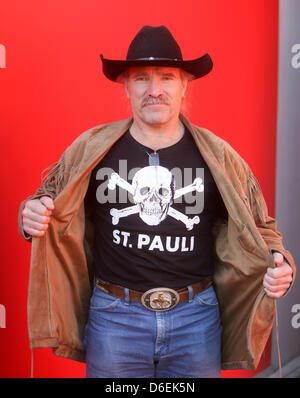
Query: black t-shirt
153	215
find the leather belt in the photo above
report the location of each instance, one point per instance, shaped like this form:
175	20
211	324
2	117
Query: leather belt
157	299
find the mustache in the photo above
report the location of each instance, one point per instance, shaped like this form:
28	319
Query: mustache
162	99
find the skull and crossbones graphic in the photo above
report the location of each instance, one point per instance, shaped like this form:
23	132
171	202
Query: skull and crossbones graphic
153	191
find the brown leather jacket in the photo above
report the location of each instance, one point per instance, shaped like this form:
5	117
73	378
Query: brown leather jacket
60	271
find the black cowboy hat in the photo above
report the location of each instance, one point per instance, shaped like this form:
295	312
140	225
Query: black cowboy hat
156	46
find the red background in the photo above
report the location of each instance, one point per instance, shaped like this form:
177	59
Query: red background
52	89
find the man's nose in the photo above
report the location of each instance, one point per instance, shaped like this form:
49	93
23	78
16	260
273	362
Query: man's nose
155	87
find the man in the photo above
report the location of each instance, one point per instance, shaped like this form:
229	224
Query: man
168	227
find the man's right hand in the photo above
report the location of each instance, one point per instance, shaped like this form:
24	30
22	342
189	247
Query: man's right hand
36	215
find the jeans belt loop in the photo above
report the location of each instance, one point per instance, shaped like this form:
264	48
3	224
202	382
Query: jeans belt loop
191	293
127	296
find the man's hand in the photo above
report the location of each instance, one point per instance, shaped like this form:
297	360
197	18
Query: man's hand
277	280
36	215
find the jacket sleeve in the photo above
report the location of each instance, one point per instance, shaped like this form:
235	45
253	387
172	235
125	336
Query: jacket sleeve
266	225
52	183
250	192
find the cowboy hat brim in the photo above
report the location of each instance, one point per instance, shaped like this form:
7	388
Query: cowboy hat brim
198	67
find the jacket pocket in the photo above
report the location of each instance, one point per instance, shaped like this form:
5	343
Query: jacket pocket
207	297
101	301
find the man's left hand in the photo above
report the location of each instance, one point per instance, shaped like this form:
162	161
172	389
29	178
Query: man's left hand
277	280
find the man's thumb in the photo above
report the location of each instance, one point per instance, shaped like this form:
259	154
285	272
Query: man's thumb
278	258
47	202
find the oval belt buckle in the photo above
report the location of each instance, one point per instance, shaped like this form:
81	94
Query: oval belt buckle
160	299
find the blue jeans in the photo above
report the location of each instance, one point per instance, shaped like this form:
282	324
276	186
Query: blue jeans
124	339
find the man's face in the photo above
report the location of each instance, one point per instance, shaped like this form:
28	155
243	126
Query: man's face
155	94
